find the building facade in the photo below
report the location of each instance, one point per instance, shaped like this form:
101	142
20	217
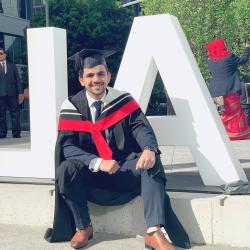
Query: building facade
14	19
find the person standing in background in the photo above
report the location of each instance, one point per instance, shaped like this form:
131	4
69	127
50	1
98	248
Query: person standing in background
11	95
225	87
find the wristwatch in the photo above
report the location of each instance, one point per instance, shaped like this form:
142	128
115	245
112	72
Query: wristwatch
152	148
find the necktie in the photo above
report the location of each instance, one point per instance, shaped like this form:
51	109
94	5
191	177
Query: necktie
2	68
98	107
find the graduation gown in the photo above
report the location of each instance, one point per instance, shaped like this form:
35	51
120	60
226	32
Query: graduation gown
126	139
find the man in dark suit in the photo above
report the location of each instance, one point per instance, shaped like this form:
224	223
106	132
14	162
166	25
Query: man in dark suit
107	153
11	95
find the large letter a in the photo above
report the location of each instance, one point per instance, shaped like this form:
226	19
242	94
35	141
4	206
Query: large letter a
158	42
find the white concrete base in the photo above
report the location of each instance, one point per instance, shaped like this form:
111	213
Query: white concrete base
208	219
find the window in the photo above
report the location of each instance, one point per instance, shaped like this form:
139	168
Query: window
15	8
37	5
14	47
1	7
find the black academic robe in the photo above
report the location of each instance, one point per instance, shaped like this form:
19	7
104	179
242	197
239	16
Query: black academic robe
126	140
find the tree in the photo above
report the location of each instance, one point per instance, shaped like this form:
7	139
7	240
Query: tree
205	20
240	10
99	24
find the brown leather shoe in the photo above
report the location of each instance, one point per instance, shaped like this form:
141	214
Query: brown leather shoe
81	237
157	241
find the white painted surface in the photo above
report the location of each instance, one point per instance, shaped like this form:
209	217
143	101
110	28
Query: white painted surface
158	43
48	88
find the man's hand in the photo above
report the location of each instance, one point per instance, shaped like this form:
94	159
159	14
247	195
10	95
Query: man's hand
20	98
147	160
109	166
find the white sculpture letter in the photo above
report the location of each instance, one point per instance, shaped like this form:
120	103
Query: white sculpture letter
158	42
47	55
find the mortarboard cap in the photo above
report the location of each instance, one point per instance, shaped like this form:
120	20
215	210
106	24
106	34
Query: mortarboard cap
88	58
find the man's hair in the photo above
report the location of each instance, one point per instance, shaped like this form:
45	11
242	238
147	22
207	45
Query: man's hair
3	50
81	70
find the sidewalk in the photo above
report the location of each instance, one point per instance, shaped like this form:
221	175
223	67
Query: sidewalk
16	237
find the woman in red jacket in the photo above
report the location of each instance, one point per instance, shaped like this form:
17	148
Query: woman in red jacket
225	86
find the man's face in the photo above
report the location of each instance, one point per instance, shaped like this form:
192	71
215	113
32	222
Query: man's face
2	56
95	80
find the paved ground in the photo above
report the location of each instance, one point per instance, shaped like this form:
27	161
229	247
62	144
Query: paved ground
16	143
179	158
16	237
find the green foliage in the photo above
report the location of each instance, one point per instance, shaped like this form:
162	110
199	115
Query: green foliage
240	10
97	24
205	20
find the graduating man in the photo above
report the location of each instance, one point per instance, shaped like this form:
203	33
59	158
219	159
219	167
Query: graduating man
107	153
